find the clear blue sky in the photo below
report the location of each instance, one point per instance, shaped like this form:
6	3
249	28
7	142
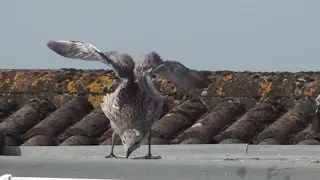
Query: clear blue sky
205	34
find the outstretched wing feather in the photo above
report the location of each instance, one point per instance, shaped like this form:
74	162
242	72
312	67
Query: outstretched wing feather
174	71
85	51
180	75
75	50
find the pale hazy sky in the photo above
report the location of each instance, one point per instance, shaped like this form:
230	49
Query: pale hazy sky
273	35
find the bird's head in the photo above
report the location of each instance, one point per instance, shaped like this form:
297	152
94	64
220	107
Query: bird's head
131	140
123	62
147	62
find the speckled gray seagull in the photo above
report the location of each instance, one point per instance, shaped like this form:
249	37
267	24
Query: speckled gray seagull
136	103
315	124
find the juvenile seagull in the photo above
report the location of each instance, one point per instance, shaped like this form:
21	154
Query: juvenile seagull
136	103
315	124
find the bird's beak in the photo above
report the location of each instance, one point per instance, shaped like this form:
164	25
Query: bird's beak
129	151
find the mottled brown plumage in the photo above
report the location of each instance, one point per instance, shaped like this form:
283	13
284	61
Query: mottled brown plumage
136	103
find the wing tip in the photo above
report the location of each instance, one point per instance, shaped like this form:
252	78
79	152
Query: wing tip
50	44
57	47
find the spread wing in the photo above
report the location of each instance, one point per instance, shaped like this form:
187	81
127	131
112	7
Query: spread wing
120	62
179	74
174	71
77	50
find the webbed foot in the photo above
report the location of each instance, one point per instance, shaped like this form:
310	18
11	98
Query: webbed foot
111	155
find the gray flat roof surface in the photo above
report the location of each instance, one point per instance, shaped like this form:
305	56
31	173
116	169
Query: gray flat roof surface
218	161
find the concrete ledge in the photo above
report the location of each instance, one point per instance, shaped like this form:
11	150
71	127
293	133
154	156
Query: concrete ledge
172	152
143	170
218	161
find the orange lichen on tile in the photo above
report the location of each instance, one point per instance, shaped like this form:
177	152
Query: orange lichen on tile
18	79
46	78
162	80
164	83
108	81
60	97
95	86
72	87
85	74
101	82
220	92
266	86
95	100
227	78
292	118
309	91
6	81
265	89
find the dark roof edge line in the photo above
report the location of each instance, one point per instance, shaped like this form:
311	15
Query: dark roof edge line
202	70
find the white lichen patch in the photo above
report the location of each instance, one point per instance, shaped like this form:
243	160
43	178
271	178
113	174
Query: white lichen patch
204	93
196	125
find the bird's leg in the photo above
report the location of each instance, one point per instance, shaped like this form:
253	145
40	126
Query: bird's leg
114	137
315	124
149	155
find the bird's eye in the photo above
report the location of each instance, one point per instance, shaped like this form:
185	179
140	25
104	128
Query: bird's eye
123	142
136	143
